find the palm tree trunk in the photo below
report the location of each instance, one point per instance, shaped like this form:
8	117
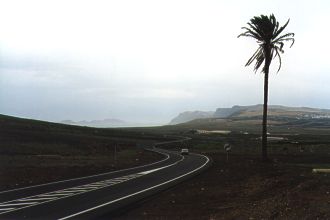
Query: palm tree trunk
264	118
265	107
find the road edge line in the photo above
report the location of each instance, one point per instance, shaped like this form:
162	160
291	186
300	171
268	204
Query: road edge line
139	192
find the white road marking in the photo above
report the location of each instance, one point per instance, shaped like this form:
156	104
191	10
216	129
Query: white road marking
19	204
139	192
43	196
52	196
112	183
95	184
118	179
73	190
6	209
88	187
151	171
36	199
58	194
64	193
79	188
154	170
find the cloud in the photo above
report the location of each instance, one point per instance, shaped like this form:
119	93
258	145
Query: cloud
108	58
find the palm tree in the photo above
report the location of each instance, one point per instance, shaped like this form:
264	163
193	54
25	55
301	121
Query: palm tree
266	31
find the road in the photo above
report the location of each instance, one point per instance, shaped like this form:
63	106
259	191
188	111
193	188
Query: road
94	197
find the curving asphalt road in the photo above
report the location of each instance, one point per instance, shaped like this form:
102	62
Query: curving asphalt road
96	196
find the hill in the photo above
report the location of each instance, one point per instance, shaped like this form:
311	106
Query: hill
191	115
253	111
277	110
35	152
106	123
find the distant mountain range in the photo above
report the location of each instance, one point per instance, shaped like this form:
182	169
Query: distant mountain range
108	123
252	111
233	112
99	123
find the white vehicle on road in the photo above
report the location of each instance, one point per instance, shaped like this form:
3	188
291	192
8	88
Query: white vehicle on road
184	151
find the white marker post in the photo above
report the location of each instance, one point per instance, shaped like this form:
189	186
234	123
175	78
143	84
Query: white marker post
227	148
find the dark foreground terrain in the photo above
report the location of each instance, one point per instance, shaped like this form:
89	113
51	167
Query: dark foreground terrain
244	188
34	152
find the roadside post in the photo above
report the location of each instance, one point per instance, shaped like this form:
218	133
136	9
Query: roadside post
227	148
115	155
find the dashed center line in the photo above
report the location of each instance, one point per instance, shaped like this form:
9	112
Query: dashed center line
13	205
36	199
21	203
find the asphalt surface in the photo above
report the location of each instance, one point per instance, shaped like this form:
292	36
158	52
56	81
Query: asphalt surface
96	196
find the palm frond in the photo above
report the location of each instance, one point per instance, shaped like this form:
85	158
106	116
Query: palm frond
279	58
247	35
256	35
259	60
255	30
287	39
254	56
284	36
267	31
281	45
281	29
277	24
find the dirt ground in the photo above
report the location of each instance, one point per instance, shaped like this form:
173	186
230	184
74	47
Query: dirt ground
20	171
243	188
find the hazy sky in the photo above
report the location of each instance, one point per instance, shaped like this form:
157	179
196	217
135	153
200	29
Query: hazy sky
147	61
